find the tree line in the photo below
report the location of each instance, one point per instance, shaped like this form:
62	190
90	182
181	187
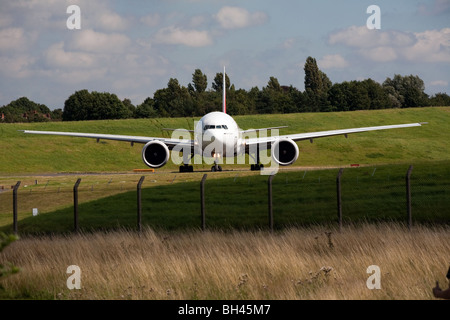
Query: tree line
195	99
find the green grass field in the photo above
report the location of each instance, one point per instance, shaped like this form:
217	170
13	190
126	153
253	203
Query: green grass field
240	201
33	154
237	199
236	257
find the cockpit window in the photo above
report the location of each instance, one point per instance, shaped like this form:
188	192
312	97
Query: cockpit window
208	127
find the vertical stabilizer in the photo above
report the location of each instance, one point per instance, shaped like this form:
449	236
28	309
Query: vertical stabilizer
224	95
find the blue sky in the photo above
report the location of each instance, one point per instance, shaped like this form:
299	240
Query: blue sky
132	48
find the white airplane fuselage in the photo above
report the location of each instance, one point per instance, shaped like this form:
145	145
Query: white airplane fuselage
217	135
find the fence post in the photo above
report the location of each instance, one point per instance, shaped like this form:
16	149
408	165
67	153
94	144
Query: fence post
339	198
75	205
269	186
139	203
408	197
202	200
16	187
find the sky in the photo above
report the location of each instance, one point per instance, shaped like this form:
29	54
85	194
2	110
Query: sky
132	48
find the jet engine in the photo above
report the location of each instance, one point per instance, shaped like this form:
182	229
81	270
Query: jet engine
285	152
155	154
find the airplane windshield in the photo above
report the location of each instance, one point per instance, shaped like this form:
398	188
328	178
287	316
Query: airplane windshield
209	127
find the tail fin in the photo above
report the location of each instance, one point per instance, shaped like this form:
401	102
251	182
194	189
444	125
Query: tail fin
224	95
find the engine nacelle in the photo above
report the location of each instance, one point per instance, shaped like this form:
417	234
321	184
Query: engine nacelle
155	154
285	152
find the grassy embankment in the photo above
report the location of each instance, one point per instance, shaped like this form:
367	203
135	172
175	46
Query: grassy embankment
33	154
238	199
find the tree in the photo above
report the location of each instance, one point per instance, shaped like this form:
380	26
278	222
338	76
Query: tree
217	85
57	114
338	96
406	91
238	102
25	110
273	85
313	78
277	99
326	82
77	106
173	101
130	107
317	85
378	96
440	99
83	105
200	81
107	106
145	109
358	97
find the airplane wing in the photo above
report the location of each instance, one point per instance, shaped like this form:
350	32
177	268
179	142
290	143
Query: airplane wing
320	134
171	143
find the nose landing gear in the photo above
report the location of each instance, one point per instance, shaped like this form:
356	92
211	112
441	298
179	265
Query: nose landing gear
216	167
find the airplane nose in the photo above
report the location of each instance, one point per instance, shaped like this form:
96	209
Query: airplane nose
217	140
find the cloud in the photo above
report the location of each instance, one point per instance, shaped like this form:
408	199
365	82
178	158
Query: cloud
362	37
151	20
439	83
390	45
288	43
111	21
333	61
57	56
5	20
187	37
235	17
12	39
431	46
18	66
78	76
91	41
380	54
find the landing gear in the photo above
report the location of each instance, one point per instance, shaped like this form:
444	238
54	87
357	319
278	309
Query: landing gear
216	167
186	168
258	166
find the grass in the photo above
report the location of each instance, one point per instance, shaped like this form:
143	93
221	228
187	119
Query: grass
237	200
237	257
34	154
316	262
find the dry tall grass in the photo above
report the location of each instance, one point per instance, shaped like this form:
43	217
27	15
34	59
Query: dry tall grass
310	263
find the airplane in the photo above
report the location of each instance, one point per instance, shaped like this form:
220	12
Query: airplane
217	135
